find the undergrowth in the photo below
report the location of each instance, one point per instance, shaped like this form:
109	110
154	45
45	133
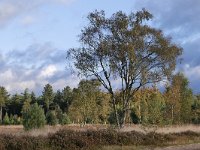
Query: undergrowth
89	140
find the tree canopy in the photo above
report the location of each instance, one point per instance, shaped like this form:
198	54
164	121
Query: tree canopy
126	49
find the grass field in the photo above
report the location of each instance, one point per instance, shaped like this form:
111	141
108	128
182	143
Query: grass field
18	129
131	137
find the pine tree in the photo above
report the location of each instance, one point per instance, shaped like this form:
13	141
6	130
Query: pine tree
34	117
3	98
156	106
48	96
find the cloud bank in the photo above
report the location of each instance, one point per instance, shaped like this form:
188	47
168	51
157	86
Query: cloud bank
40	62
34	67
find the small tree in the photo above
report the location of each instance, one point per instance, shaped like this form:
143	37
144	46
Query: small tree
156	106
3	98
34	117
6	119
179	98
65	119
196	110
84	104
47	96
51	118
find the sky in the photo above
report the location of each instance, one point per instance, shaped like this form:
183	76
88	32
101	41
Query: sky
36	34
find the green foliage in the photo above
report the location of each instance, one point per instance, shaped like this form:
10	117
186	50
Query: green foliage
186	106
65	119
26	96
179	98
84	106
14	105
15	120
134	118
156	106
3	98
33	98
196	110
26	106
51	118
64	99
6	119
34	117
144	110
48	96
112	116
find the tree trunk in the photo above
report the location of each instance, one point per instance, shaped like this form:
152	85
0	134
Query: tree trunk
117	117
116	112
172	114
123	119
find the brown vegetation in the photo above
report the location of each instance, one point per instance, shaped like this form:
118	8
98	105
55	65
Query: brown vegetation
91	137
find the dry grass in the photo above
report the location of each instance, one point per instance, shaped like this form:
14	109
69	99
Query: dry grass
94	136
179	147
164	130
18	129
179	129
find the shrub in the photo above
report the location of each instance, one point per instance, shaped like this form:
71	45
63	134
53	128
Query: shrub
51	118
12	119
135	119
112	118
65	119
34	117
15	120
6	119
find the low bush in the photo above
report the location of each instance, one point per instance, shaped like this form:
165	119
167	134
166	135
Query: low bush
11	142
51	118
64	119
6	119
93	139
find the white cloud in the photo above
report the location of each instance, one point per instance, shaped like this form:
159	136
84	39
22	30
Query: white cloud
27	20
7	76
190	39
193	73
16	86
7	12
58	84
24	84
33	67
48	71
12	81
11	9
64	1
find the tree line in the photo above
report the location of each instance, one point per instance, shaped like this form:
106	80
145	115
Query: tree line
88	103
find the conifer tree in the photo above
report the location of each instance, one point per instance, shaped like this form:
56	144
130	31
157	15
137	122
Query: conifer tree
34	117
3	98
48	96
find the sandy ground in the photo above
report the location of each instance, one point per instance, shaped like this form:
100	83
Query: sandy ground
165	129
182	147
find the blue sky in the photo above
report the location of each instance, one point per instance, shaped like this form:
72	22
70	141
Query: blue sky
35	36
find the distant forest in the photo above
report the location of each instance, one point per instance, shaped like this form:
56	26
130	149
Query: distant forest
89	104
